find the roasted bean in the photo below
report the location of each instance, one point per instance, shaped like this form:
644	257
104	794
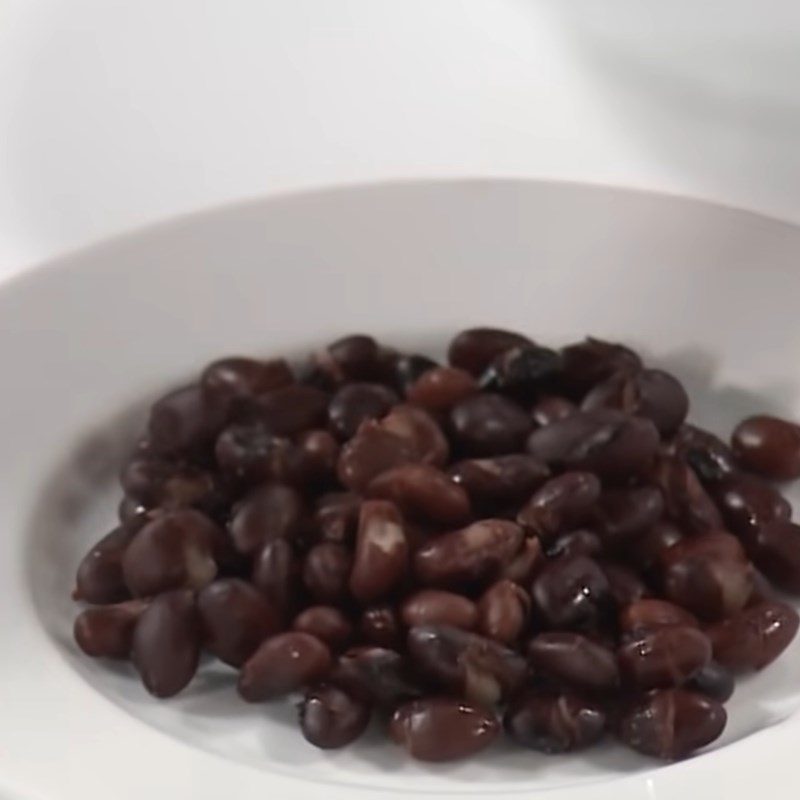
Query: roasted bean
173	551
708	574
282	665
326	571
380	626
755	637
375	674
499	480
184	422
555	723
685	499
440	388
327	623
769	446
571	593
274	511
235	618
707	454
650	393
489	425
580	542
292	409
666	656
437	607
474	349
622	514
407	369
574	659
336	516
370	452
235	377
331	718
650	614
381	557
625	586
99	579
356	402
645	551
503	611
421	432
474	554
442	729
561	503
775	549
587	363
714	681
166	643
522	372
275	575
472	666
747	503
107	632
672	723
552	408
613	445
422	491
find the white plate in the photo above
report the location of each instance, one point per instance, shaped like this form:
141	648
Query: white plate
710	292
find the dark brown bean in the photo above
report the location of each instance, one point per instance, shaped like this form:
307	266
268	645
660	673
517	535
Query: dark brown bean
650	614
622	514
422	491
503	611
331	718
275	575
560	504
775	549
292	409
407	369
574	659
437	607
524	565
250	452
499	480
650	393
474	349
370	452
522	372
552	408
714	681
356	357
184	422
235	618
646	550
336	516
166	643
755	637
380	626
317	457
709	457
355	402
327	623
326	571
471	555
769	446
625	586
685	499
107	632
571	593
609	443
489	425
587	363
580	542
442	729
375	674
244	377
440	388
666	656
472	666
381	556
672	723
165	484
555	723
173	551
99	579
708	574
747	503
421	432
282	665
274	511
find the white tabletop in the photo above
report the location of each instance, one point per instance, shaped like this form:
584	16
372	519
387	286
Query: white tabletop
115	113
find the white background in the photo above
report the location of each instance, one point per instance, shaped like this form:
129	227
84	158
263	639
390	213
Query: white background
116	113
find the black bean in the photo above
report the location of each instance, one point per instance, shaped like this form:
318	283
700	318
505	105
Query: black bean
574	659
292	409
331	718
380	626
327	623
666	656
561	503
503	611
440	388
489	425
685	499
437	607
184	422
747	503
769	446
408	368
499	480
474	349
587	363
775	549
356	402
376	674
100	579
522	372
650	613
236	377
326	571
714	681
621	514
107	632
275	575
274	511
552	408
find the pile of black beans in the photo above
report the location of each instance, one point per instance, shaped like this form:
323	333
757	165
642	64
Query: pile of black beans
525	538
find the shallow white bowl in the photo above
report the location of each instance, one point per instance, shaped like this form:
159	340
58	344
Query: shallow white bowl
709	292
